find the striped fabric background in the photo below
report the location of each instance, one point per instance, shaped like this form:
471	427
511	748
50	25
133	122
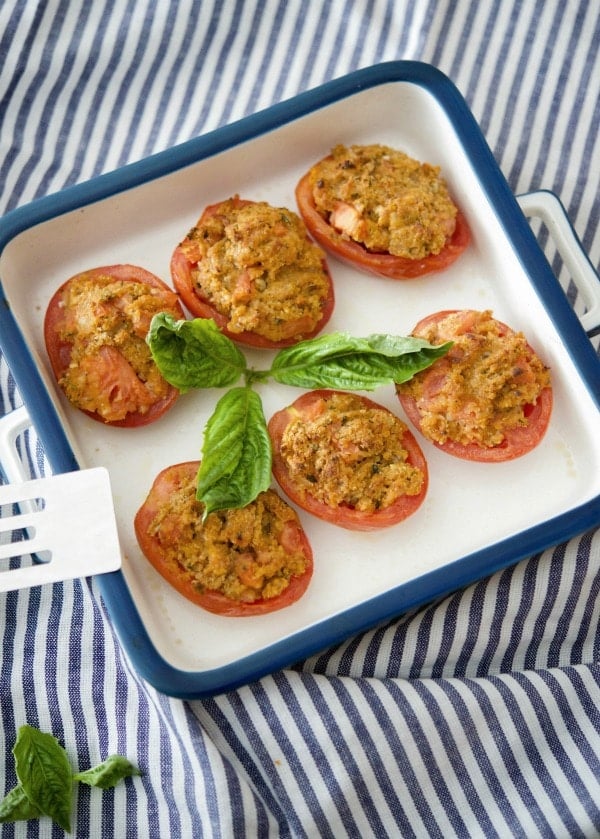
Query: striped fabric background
476	716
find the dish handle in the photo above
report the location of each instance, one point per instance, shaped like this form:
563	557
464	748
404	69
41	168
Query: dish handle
546	206
11	426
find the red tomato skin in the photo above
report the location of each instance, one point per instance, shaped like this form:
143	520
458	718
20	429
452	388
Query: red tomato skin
380	264
343	516
517	442
59	352
165	482
181	273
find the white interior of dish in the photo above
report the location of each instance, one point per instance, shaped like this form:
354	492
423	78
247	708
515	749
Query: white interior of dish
469	505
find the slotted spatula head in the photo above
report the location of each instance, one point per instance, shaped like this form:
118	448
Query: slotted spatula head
65	523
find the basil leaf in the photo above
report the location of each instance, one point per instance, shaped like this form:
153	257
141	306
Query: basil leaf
45	775
108	773
236	452
15	806
341	361
193	353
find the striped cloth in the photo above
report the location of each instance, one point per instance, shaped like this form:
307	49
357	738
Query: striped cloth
476	716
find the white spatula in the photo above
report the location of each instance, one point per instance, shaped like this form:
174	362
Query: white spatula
64	525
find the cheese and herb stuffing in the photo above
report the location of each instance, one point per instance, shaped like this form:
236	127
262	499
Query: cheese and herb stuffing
95	330
482	389
256	266
348	452
384	200
245	554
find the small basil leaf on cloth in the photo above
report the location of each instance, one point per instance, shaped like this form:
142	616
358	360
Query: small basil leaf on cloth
236	453
108	773
15	806
44	773
342	361
193	353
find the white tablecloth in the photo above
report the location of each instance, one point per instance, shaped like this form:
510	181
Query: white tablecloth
473	716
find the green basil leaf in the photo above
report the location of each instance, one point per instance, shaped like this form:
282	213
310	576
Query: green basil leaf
15	806
45	774
341	361
194	353
108	773
236	452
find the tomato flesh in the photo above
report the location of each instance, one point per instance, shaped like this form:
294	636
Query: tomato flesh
380	264
342	515
293	538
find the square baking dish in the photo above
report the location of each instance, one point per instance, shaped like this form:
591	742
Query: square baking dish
477	518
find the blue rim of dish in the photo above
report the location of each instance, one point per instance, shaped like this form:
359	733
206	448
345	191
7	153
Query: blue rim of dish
451	577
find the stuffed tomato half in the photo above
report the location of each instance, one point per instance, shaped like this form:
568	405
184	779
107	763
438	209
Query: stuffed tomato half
236	563
252	268
382	212
347	460
489	398
95	331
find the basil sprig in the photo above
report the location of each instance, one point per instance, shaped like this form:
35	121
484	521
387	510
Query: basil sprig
236	452
46	779
195	354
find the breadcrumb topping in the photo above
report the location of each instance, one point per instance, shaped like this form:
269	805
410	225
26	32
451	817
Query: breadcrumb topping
481	388
246	554
385	200
257	267
348	453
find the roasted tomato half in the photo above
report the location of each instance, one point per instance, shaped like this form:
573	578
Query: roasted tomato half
489	399
237	562
382	212
253	269
95	332
347	460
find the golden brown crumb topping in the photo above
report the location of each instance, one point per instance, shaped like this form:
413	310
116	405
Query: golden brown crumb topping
385	200
106	320
348	453
480	389
247	554
257	267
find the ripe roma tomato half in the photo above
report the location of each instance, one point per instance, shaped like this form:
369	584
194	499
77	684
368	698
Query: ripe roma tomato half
95	331
291	478
177	533
372	262
518	440
250	274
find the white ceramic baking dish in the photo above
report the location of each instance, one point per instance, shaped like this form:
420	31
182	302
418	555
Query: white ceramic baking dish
476	519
